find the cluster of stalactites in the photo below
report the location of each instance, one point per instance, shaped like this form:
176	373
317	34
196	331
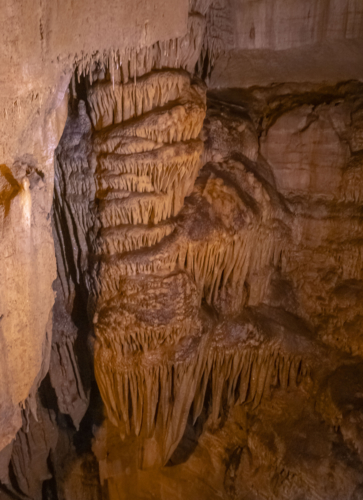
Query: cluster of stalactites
215	263
151	396
115	103
143	168
119	188
129	179
207	36
127	64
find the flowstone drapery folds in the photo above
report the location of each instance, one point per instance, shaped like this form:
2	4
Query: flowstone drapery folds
183	248
150	259
205	340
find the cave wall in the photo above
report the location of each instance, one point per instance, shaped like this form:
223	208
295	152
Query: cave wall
284	161
291	41
229	326
41	43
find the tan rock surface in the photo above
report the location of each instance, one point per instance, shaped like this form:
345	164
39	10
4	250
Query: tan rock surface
208	246
248	235
40	44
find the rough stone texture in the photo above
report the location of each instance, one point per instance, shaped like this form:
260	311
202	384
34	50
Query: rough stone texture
41	42
259	239
208	248
288	41
306	150
26	319
69	367
281	25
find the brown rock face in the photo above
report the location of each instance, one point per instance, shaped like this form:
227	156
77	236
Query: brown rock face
305	151
142	166
39	52
24	351
205	340
194	305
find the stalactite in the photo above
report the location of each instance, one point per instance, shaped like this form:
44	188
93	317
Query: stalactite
149	259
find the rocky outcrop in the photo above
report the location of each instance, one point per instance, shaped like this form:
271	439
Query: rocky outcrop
205	337
24	311
221	305
39	55
43	44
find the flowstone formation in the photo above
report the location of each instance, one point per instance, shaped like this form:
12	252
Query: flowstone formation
151	261
187	245
144	306
206	334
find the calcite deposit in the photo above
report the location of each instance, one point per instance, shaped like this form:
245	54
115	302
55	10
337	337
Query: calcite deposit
181	274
